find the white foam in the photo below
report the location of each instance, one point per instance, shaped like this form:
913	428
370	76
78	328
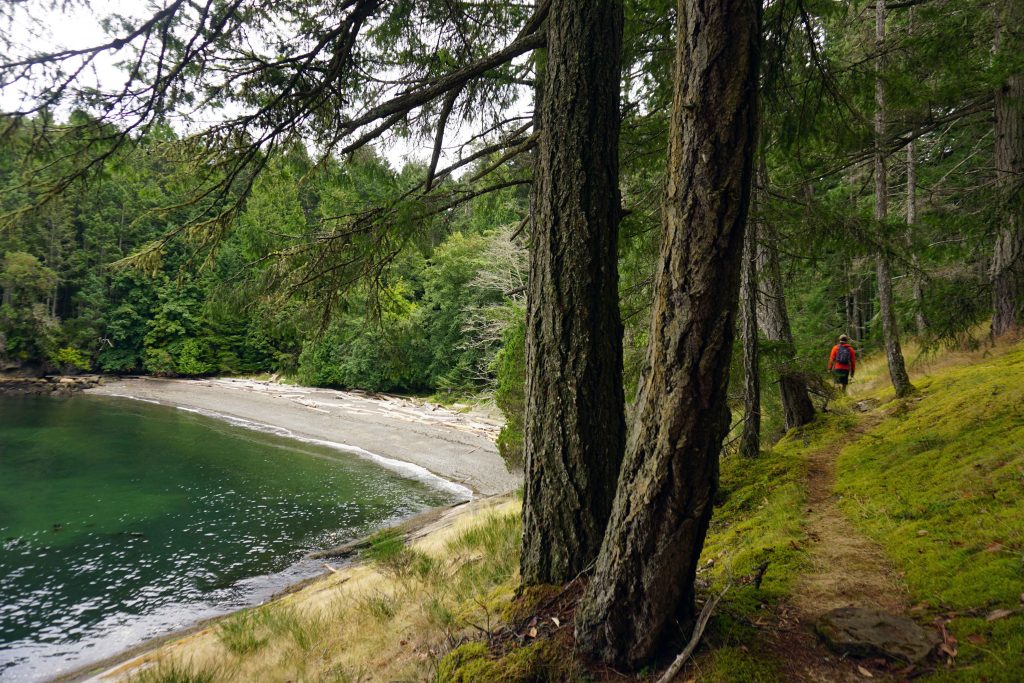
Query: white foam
136	398
405	469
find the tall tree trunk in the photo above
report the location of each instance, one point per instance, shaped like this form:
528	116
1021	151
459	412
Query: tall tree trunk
1008	256
890	329
750	440
642	587
797	408
575	415
919	319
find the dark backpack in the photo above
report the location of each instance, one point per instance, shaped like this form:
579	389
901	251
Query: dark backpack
843	356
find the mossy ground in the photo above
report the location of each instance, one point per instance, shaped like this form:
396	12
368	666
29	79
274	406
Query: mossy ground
940	485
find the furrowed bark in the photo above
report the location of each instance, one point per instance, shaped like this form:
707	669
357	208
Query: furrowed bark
575	415
1007	271
642	587
886	305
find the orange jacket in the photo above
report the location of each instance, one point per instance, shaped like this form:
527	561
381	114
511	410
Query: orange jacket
833	365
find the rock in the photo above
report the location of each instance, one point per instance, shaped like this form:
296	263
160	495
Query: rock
870	632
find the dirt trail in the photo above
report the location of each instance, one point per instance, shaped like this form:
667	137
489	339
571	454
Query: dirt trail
846	569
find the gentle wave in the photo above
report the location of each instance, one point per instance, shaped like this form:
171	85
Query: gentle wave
137	398
405	469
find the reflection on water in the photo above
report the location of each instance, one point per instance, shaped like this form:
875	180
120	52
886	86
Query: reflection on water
121	521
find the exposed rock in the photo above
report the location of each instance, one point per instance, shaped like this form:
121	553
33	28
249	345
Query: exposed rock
18	385
864	632
866	405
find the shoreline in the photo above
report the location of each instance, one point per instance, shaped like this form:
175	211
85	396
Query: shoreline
455	450
416	527
419	441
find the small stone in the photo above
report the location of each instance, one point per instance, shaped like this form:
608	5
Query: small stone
865	632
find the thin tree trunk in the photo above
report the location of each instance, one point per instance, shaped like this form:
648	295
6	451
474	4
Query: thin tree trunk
890	329
642	587
575	423
1008	255
797	408
750	440
919	319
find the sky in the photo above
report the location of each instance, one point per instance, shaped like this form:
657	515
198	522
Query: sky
36	27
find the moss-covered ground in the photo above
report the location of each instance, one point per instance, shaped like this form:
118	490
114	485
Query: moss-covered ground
940	485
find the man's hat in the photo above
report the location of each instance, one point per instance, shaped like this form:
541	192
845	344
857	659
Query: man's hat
843	338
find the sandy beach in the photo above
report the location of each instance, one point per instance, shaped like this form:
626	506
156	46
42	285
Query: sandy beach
454	446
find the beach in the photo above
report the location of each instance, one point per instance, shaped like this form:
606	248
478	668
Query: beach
418	439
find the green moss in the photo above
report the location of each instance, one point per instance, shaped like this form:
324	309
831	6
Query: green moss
734	665
940	485
540	662
759	520
526	604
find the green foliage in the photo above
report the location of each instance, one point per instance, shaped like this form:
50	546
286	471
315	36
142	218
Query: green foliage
70	358
510	394
386	312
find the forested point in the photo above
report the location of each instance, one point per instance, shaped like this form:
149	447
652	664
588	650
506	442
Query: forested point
640	229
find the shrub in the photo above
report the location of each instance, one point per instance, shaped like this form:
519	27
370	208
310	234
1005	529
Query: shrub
68	358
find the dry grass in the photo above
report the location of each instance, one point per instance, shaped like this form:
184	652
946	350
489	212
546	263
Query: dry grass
390	618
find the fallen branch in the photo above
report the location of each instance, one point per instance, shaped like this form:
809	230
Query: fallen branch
698	631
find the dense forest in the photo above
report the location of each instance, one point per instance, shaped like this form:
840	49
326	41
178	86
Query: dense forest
780	174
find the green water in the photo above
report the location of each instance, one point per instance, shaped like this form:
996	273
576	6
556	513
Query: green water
122	520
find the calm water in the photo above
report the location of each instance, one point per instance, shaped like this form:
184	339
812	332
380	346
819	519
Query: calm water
122	520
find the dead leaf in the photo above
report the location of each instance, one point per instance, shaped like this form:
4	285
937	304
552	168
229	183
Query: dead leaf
993	547
998	614
864	672
976	639
922	532
533	632
556	622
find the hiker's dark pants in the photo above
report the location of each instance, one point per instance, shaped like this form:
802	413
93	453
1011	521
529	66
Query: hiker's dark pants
841	376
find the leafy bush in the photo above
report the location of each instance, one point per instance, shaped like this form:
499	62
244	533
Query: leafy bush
69	358
510	396
190	358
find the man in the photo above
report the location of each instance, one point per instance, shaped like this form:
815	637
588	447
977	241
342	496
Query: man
843	362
